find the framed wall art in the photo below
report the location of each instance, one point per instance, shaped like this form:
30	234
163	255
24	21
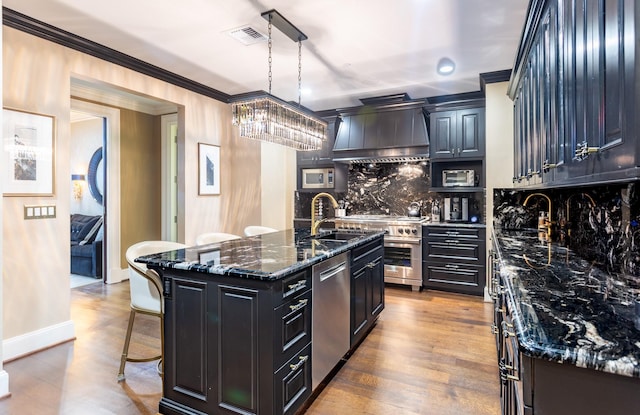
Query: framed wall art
29	151
208	169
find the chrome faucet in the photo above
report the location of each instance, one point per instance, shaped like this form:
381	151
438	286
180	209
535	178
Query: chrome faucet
316	224
546	222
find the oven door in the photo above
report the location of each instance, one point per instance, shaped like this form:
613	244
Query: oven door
402	262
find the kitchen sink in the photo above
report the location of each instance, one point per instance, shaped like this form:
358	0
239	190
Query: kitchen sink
336	236
328	238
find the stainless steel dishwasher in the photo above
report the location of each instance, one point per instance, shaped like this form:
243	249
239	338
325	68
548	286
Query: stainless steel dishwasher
330	329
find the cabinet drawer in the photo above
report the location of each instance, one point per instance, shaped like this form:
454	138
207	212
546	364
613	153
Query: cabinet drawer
466	279
359	253
454	250
453	232
295	283
292	327
292	383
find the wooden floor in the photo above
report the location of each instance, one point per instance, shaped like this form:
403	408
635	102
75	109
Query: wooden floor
430	353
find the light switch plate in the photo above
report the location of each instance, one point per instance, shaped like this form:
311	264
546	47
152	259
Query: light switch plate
39	211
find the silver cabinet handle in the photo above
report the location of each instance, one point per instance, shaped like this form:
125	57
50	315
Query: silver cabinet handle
296	366
301	303
299	284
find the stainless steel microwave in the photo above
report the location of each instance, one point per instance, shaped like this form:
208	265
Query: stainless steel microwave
458	178
317	178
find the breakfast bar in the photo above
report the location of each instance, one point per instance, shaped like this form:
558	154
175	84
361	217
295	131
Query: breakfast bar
249	324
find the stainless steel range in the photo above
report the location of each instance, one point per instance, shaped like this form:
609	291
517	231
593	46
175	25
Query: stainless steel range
402	245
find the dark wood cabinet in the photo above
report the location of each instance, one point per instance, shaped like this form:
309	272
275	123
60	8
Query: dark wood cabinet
453	258
324	156
457	133
574	94
531	385
367	289
236	346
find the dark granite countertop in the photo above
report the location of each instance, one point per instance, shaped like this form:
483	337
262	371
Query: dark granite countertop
566	309
265	257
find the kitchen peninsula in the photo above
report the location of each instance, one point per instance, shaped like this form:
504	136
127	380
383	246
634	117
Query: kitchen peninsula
567	332
240	316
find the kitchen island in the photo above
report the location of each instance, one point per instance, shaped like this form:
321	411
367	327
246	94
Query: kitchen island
238	318
567	331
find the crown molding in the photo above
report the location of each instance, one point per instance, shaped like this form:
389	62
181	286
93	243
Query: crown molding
24	23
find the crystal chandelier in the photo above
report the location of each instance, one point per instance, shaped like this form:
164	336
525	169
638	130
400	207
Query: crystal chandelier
262	116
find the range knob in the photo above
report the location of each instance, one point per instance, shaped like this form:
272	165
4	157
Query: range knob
414	231
407	231
400	231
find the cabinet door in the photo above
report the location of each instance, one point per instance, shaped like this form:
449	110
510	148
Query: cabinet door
187	363
292	383
545	85
470	133
238	352
520	137
323	156
444	129
359	309
376	276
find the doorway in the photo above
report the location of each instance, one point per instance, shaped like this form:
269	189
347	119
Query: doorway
86	205
103	168
138	160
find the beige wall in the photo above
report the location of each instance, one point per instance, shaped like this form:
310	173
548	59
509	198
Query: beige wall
499	145
36	77
4	377
140	179
279	177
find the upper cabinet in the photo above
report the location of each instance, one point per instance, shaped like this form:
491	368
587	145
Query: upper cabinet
574	94
457	133
457	143
324	156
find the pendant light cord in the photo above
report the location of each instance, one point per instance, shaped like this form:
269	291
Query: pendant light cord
299	71
270	60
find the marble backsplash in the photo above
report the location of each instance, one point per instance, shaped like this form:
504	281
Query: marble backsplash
601	223
386	189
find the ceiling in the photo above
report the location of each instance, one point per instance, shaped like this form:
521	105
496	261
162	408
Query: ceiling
355	48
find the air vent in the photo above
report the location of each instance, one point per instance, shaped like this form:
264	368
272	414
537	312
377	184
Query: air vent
247	35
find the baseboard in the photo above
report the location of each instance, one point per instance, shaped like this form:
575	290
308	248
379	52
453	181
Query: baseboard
4	384
117	275
35	341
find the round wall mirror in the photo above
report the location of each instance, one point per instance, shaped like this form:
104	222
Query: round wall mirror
95	176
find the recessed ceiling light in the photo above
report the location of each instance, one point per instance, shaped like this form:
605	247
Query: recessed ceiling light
446	66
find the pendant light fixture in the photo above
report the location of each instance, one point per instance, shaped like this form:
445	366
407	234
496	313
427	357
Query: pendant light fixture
262	116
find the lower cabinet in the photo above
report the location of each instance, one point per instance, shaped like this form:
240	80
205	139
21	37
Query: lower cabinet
292	383
242	348
531	385
453	258
367	289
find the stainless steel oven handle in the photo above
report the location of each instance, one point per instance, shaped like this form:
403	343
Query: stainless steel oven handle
409	241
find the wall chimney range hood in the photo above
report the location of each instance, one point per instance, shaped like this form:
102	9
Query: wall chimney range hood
392	128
